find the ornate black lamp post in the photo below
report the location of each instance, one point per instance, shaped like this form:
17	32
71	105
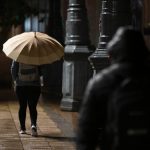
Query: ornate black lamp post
114	13
76	68
99	59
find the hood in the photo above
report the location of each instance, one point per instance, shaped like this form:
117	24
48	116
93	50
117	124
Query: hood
127	45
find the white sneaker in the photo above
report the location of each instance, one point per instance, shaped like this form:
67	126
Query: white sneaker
22	132
34	131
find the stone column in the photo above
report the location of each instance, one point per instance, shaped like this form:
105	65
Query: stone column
76	68
99	59
115	13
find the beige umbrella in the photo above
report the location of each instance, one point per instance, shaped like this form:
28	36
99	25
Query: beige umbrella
33	48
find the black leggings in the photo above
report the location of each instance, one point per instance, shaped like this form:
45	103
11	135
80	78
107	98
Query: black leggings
28	96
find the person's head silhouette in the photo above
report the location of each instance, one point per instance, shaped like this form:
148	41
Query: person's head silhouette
127	45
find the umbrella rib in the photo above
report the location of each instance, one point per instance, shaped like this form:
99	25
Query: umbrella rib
33	48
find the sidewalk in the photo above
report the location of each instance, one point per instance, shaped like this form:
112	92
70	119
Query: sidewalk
56	129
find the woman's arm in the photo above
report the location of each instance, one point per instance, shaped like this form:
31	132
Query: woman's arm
14	70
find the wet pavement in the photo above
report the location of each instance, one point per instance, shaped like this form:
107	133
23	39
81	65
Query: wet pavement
56	128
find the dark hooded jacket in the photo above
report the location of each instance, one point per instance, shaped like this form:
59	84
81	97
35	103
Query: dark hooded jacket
129	57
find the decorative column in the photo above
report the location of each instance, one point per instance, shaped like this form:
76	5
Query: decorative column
76	68
99	59
115	13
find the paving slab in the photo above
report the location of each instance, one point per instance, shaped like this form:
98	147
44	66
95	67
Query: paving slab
50	135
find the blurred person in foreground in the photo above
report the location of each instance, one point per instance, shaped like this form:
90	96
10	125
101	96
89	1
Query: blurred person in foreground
128	55
28	89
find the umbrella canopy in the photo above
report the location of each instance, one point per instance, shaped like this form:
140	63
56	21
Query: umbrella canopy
33	48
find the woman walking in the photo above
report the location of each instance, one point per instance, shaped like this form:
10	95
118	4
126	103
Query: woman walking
27	88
